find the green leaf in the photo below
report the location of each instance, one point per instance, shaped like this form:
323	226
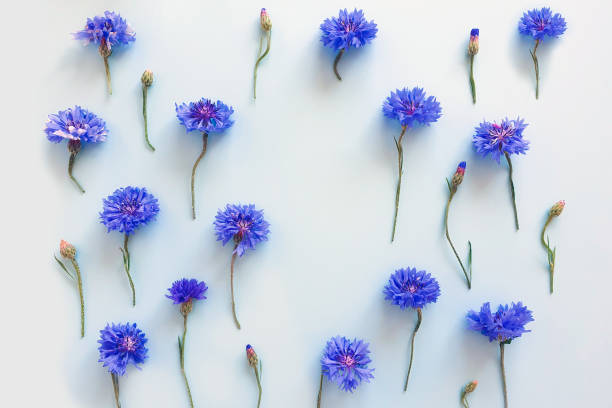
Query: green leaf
64	268
448	184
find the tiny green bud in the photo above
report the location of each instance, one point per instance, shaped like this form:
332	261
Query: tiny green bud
67	250
557	209
147	77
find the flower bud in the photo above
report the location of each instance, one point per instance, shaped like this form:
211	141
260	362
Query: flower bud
266	23
147	77
67	250
458	176
557	209
186	307
473	45
470	387
251	356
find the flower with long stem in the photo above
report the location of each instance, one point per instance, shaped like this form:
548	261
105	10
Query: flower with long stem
107	32
409	288
411	107
183	292
345	362
468	389
452	189
126	210
245	226
69	252
551	254
146	79
207	117
539	24
255	364
472	51
266	26
120	346
503	326
346	31
504	139
77	126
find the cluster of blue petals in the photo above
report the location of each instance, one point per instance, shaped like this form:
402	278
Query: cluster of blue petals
412	107
504	325
110	30
411	288
348	30
121	345
345	362
75	124
205	115
185	290
243	224
542	23
497	139
128	208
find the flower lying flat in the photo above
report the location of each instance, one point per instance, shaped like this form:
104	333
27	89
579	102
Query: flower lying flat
409	288
204	115
128	208
497	139
186	290
505	325
242	224
345	362
412	107
120	346
542	23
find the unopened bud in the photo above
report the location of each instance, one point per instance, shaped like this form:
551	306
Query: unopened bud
147	77
187	307
458	176
266	23
473	45
251	356
67	250
557	209
470	387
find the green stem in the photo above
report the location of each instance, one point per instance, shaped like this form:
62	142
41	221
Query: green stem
182	359
70	166
232	287
340	53
320	391
536	66
108	76
80	288
468	278
550	253
416	328
503	373
472	83
258	385
115	380
464	401
400	165
516	221
193	171
261	57
144	114
126	265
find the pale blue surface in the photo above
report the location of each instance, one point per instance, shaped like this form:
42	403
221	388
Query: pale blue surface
319	157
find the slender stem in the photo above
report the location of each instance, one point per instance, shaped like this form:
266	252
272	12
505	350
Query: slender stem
258	385
80	288
472	83
536	66
400	165
195	166
232	287
516	221
340	53
108	76
550	253
144	114
70	166
126	265
320	391
464	401
416	328
115	380
503	373
182	359
261	57
468	278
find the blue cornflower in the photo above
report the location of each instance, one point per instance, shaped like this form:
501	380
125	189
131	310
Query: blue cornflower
121	345
126	210
345	362
497	139
106	32
409	288
348	30
538	24
78	126
207	117
186	290
411	107
245	226
505	325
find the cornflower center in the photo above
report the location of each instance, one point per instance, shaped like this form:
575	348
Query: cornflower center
347	361
500	133
130	207
128	343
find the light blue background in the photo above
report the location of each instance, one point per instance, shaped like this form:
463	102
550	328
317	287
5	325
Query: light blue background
319	157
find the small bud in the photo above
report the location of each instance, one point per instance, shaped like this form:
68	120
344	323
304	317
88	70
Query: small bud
557	209
470	387
187	307
473	45
147	77
251	356
67	250
458	176
266	23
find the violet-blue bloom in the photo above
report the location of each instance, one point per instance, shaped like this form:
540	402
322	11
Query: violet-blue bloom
541	23
75	124
128	208
186	290
345	362
204	115
121	345
411	288
348	30
412	107
108	30
497	139
242	224
504	325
